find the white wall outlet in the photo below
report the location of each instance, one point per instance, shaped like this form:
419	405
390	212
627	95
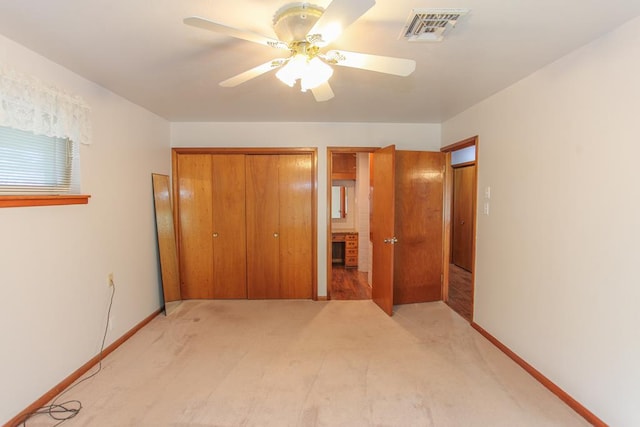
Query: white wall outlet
110	279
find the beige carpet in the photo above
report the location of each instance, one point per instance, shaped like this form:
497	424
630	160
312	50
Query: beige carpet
304	363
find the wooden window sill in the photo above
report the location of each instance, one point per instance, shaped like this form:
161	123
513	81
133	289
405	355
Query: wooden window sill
18	201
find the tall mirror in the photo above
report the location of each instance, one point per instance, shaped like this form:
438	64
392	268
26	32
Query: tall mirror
166	243
338	202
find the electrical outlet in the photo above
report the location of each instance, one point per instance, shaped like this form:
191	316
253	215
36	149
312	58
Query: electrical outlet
110	279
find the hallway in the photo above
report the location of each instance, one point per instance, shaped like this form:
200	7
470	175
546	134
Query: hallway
349	284
460	292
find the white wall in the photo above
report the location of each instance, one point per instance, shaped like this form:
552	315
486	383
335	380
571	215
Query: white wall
54	261
319	135
557	258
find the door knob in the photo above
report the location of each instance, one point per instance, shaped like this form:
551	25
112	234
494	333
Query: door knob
215	234
276	235
392	240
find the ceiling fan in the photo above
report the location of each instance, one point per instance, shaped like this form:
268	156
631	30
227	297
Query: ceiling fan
303	30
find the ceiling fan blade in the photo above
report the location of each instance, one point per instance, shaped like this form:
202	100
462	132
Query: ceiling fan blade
338	16
205	24
382	64
323	92
253	73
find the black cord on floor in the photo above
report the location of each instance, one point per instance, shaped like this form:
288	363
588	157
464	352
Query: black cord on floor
64	411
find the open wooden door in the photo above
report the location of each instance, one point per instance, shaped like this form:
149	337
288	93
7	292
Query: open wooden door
382	227
418	262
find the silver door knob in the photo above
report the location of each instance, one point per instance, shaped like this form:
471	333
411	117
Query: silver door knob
392	240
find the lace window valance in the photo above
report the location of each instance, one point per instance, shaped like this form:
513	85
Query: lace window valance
30	105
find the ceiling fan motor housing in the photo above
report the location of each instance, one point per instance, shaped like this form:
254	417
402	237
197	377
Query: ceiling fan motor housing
292	22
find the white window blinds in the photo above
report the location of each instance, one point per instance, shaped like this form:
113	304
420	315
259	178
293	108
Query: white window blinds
35	164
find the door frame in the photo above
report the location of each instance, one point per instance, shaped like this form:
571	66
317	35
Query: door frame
447	215
313	151
330	151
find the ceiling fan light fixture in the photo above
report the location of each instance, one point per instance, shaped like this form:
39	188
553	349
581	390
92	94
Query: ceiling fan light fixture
292	70
316	73
311	72
304	30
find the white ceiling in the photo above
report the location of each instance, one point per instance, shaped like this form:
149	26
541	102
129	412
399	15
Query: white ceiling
141	50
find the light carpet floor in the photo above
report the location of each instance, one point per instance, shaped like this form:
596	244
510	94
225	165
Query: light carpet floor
304	363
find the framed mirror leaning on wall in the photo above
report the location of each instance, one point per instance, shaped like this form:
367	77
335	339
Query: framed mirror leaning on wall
338	202
170	274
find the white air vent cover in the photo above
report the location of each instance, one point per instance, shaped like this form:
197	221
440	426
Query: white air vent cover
430	25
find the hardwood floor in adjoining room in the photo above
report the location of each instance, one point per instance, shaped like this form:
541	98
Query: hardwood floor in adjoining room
349	284
305	363
460	292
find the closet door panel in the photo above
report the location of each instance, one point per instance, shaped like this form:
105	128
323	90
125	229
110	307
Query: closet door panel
295	226
194	207
229	230
263	232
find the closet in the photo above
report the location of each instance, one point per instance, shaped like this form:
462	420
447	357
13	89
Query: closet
245	224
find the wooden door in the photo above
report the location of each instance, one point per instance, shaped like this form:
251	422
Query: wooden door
382	227
279	226
418	258
196	233
462	221
295	226
263	226
229	226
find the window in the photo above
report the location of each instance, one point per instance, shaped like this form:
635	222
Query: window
41	127
36	164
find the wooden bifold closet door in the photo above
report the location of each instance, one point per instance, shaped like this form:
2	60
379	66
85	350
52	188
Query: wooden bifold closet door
245	225
212	226
279	263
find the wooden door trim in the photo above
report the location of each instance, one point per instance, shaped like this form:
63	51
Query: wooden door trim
330	151
244	150
313	151
469	142
447	212
464	165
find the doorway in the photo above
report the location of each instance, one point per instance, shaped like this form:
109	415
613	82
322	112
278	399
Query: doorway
460	226
348	233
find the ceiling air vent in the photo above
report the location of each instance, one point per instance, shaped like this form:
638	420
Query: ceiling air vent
430	25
